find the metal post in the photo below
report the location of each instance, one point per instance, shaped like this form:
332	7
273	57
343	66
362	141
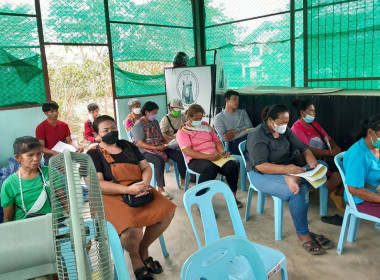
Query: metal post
305	46
199	32
110	53
292	45
42	50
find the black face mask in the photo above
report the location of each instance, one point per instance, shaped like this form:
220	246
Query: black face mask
111	137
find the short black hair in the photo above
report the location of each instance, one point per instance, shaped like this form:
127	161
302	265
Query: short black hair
50	105
273	111
101	119
371	122
149	106
92	107
25	144
303	105
229	93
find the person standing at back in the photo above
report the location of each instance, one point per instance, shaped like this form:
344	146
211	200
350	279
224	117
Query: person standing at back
89	133
233	124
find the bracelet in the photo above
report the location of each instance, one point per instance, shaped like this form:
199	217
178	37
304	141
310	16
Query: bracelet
329	152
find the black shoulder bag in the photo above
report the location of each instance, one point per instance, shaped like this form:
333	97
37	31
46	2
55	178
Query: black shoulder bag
171	125
129	199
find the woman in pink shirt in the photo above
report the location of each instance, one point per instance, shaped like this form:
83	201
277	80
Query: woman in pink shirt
320	143
201	146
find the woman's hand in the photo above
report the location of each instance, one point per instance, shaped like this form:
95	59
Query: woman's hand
225	154
161	148
139	189
336	150
213	157
294	169
293	183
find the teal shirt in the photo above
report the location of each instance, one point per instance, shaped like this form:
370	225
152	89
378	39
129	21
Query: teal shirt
360	167
31	190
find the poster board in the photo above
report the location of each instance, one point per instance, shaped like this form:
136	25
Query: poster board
192	84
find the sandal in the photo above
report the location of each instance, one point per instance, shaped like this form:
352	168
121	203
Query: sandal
322	240
167	195
143	273
153	266
311	246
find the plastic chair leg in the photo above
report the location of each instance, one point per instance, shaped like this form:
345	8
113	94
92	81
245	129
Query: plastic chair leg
261	198
353	228
121	271
323	197
167	167
248	208
243	175
163	246
278	217
343	230
176	173
284	270
187	181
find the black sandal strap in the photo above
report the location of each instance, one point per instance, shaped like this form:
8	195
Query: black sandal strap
142	273
153	266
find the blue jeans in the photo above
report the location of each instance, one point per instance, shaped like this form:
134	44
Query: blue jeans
274	184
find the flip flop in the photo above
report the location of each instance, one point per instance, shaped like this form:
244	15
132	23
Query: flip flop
310	247
153	266
322	240
167	195
143	273
334	220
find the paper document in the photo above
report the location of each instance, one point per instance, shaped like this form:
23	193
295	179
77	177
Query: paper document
173	144
220	162
316	177
60	147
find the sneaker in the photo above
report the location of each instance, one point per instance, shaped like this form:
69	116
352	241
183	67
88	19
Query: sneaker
238	203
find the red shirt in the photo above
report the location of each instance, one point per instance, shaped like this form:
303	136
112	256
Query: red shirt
89	133
308	135
52	134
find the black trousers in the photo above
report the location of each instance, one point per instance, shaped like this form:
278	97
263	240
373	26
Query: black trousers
208	171
159	164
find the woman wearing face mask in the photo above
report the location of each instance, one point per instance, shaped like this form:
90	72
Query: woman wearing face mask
201	146
321	145
134	115
133	174
362	167
148	137
25	193
269	151
173	120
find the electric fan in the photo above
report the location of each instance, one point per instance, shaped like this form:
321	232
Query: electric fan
80	229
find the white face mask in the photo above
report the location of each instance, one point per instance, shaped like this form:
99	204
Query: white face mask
279	128
137	111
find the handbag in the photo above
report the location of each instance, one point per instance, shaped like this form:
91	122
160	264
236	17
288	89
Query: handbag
129	199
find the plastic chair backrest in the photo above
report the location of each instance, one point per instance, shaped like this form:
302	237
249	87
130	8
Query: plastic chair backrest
204	265
202	195
225	144
184	159
339	163
242	151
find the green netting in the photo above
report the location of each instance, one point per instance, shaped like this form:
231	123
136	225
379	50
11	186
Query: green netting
21	80
17	7
74	21
163	12
18	31
337	34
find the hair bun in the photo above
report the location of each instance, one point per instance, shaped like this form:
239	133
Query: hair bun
296	101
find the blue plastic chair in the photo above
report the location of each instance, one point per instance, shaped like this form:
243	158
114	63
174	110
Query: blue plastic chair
277	202
231	250
121	270
243	173
188	172
352	216
261	198
202	195
161	238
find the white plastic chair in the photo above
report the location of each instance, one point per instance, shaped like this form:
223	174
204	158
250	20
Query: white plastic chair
351	215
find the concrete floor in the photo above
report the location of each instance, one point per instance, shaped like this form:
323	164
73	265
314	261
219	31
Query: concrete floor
360	259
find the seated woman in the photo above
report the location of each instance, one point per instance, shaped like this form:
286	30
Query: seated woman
362	168
201	146
170	124
25	193
148	136
321	145
133	173
134	115
269	151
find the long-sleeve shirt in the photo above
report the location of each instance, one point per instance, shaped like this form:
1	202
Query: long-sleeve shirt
238	120
89	133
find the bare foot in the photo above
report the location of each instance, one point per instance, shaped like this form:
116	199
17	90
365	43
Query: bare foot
293	183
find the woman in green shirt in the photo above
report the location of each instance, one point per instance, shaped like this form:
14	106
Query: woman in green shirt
25	193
